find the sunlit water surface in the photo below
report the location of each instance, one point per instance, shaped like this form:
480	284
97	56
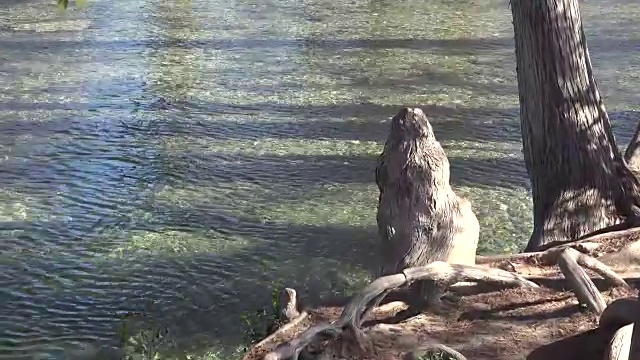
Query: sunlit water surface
180	159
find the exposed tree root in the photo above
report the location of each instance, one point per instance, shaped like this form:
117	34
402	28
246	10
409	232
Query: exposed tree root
289	312
618	348
569	260
283	329
619	313
351	317
607	239
432	352
595	246
583	287
624	315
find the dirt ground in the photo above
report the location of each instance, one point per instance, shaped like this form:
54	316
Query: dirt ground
532	324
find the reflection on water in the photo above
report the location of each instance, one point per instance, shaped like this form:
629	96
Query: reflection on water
178	159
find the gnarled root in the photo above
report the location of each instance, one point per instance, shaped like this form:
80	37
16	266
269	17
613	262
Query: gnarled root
620	344
288	312
550	258
570	260
585	290
433	351
351	316
623	315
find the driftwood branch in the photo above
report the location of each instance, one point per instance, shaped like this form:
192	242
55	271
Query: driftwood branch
595	265
438	271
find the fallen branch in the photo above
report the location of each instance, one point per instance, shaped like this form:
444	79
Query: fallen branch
440	272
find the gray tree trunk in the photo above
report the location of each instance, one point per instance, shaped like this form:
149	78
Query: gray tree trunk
632	155
580	181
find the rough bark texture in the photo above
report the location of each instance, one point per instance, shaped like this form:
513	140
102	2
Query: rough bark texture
580	182
420	218
585	290
632	154
618	348
437	351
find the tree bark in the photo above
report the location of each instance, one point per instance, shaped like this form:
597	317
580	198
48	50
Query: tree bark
632	154
580	181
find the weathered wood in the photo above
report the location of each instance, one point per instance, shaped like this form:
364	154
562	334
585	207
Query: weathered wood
281	330
596	266
627	235
582	286
551	256
619	346
448	274
288	310
632	154
434	351
351	315
288	304
619	313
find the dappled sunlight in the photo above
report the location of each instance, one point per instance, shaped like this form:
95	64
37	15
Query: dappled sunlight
327	147
274	146
19	207
162	243
504	216
326	204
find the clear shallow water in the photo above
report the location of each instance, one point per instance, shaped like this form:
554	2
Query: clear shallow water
178	159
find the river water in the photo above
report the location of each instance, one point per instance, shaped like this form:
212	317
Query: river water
180	159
